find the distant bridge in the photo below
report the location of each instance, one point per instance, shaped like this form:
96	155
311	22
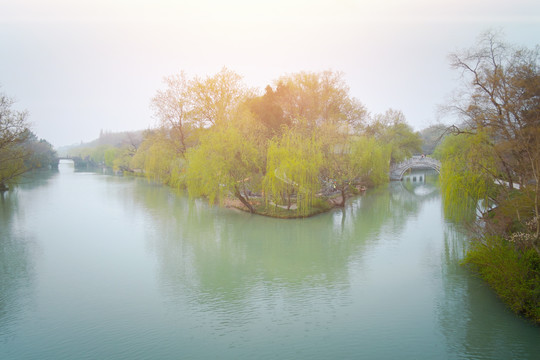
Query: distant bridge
79	162
416	162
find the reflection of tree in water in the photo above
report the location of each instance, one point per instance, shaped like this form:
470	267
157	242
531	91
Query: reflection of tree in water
224	255
36	179
388	207
15	270
480	331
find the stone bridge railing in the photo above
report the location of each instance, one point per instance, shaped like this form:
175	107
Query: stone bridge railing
416	162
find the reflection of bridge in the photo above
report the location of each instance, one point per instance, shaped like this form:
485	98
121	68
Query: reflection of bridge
416	162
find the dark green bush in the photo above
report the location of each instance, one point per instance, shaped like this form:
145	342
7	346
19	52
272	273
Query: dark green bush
513	273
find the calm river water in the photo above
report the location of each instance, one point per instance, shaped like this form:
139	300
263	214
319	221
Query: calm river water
102	267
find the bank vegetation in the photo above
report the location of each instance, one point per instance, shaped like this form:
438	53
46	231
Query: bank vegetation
490	173
20	149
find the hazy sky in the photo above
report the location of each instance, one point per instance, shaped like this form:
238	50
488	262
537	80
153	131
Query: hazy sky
82	66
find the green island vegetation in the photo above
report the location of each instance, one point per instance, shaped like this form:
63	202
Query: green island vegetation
299	149
20	149
491	168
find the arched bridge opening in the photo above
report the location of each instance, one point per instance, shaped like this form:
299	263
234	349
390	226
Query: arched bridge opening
416	162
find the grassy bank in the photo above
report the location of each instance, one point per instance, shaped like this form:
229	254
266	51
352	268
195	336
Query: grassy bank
513	273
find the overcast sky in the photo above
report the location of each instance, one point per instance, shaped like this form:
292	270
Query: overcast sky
82	66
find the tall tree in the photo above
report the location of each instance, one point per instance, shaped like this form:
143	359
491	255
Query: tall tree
173	106
392	128
216	98
501	96
467	175
311	99
432	137
500	99
268	111
226	162
292	170
187	105
351	160
13	136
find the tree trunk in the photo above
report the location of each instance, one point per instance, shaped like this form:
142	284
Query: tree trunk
343	196
243	200
289	201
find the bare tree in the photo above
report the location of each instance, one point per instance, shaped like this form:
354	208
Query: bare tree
500	98
13	134
172	107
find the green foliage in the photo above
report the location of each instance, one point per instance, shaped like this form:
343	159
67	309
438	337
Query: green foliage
466	178
432	136
513	274
22	154
218	140
109	155
391	128
43	155
96	154
268	111
13	135
351	160
224	163
312	99
498	148
292	169
216	98
157	161
373	160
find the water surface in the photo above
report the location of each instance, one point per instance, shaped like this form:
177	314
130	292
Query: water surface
102	267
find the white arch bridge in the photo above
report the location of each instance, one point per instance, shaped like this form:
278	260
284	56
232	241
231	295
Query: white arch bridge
416	162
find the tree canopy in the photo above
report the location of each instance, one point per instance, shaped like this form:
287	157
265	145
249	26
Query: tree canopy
220	139
20	149
392	128
499	108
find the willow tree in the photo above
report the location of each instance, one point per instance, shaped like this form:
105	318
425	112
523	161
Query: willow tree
292	170
225	163
157	158
467	175
373	160
351	160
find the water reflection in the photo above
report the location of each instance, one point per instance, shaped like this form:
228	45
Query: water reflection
16	252
224	255
134	270
474	321
231	263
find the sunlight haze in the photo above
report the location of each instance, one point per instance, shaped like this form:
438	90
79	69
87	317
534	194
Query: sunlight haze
82	66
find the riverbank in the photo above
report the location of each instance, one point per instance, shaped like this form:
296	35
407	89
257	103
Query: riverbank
512	272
